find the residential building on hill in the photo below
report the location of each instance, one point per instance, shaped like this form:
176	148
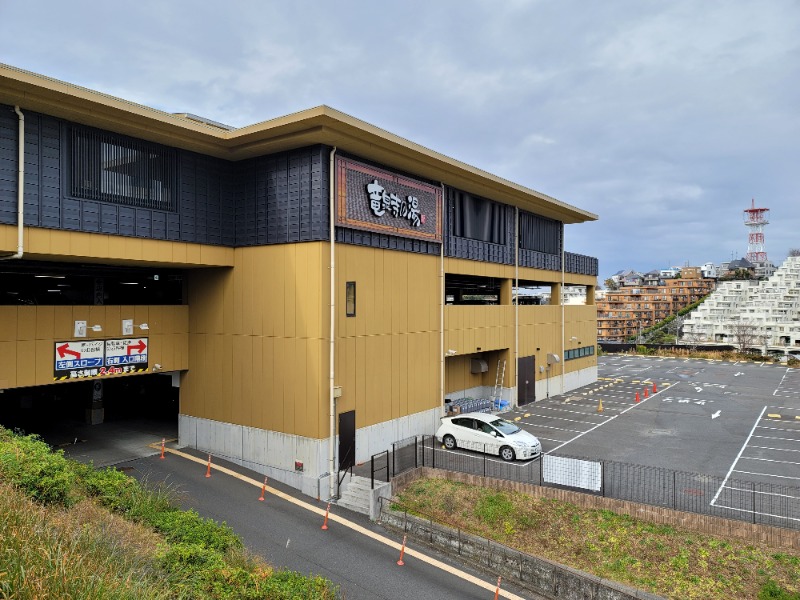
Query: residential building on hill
625	313
751	313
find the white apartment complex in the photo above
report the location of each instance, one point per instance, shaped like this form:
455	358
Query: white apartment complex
771	307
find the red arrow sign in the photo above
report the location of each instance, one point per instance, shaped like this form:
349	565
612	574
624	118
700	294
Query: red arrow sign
63	349
140	346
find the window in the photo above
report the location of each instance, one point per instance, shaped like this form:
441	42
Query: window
579	353
540	234
477	218
350	299
113	168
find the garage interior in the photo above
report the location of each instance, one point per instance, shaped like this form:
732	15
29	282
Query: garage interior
137	409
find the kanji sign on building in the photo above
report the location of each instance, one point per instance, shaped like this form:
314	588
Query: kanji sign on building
128	351
78	355
375	199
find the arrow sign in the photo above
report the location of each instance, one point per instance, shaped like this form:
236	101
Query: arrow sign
698	389
139	346
127	351
63	350
716	414
76	356
737	374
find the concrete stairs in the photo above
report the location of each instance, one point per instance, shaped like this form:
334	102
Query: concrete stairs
355	495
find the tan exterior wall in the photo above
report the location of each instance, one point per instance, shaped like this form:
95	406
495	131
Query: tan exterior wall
59	245
388	355
28	335
258	341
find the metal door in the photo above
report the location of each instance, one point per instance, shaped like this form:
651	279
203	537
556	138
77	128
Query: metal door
347	440
526	380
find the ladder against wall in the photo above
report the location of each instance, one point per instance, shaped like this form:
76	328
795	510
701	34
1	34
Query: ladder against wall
498	383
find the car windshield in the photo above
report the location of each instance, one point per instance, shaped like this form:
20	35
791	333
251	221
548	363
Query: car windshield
505	427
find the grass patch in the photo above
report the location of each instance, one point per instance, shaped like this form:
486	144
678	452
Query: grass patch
70	531
661	559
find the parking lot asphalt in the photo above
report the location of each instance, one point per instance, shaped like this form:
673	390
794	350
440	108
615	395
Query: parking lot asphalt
729	432
709	417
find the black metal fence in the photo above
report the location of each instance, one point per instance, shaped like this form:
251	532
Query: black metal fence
762	503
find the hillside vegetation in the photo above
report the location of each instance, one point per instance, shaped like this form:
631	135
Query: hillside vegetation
70	531
664	560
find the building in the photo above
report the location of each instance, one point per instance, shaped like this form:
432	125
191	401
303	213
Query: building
311	288
624	314
752	314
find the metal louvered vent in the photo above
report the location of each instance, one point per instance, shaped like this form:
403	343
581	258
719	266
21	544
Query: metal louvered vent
112	168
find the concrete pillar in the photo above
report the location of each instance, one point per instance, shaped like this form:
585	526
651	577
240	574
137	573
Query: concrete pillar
555	293
590	295
506	292
95	412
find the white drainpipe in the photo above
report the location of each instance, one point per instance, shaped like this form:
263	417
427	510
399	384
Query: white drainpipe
332	365
20	188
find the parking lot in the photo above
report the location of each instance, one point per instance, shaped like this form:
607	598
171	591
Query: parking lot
735	426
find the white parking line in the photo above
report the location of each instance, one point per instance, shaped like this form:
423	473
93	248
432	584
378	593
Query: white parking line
772	460
767	437
763	474
738	456
574	412
775	449
604	422
755	491
556	428
763	514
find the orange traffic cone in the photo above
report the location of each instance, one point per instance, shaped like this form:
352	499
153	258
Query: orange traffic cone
163	441
325	522
263	489
402	552
637	397
497	591
645	393
600	406
208	469
654	387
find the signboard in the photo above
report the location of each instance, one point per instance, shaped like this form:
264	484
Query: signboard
379	200
127	351
78	355
81	359
572	472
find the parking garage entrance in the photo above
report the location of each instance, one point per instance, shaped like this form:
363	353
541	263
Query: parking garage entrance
103	421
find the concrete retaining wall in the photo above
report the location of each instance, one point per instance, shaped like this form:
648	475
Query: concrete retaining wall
774	536
538	575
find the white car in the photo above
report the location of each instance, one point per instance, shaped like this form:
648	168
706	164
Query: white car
488	433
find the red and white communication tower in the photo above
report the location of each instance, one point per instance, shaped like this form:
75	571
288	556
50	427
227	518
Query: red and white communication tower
754	220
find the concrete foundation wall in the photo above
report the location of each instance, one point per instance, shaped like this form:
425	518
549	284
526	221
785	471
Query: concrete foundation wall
541	576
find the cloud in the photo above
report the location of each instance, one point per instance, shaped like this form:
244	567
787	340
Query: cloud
662	118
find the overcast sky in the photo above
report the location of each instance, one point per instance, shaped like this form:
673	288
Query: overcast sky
664	118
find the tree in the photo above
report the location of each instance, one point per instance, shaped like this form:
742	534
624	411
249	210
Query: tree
611	284
745	334
794	251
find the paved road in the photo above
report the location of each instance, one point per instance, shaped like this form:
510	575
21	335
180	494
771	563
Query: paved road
291	537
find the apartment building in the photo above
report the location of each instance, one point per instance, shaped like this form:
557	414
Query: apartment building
625	313
761	314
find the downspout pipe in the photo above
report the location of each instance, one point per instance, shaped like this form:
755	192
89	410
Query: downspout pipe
561	302
516	308
332	332
20	188
441	318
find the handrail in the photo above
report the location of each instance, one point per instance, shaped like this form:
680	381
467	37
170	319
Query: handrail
342	474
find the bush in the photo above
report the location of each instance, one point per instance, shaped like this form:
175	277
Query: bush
189	528
27	462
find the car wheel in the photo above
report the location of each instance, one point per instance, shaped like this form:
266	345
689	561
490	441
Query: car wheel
507	453
449	442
